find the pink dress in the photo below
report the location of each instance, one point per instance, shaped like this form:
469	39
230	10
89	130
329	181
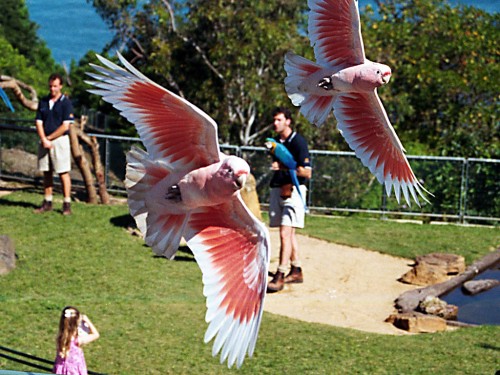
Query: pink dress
74	363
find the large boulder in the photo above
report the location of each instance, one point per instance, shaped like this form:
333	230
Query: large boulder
7	255
415	322
250	197
435	306
434	268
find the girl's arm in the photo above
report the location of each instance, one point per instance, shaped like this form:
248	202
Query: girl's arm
93	334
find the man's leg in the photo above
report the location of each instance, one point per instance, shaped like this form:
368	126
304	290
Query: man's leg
48	183
295	274
278	281
66	186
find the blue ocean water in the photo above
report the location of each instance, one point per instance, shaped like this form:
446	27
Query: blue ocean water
72	27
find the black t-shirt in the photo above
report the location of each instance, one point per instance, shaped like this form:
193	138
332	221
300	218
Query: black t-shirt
53	118
297	145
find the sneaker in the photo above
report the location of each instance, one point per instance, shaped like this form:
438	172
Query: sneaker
45	207
295	276
277	283
66	208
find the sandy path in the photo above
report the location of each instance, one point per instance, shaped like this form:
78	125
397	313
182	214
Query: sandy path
343	286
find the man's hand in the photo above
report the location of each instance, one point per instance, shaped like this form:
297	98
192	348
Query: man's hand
46	143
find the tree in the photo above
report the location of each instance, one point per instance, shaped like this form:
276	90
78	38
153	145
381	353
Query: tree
444	92
226	57
17	28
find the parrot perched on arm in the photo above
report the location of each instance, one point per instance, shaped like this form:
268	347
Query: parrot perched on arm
183	186
281	153
6	100
343	79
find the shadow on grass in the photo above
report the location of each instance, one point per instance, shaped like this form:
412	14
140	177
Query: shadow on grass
7	202
184	253
123	221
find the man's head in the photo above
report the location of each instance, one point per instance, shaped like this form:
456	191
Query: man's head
55	85
282	121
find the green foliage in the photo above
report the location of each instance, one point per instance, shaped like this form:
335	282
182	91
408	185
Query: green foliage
20	31
150	311
444	90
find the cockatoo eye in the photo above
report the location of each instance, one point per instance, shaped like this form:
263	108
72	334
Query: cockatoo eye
378	72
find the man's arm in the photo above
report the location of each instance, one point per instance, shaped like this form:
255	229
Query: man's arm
63	128
46	143
305	172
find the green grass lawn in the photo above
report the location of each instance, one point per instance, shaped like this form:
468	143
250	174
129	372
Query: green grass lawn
150	311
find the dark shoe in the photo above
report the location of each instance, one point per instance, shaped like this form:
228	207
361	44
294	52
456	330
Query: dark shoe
45	207
277	283
295	276
66	208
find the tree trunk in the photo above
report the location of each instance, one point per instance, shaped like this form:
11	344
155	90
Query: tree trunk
408	301
92	143
81	162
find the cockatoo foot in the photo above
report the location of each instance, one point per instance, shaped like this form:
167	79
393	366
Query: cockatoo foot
326	83
174	194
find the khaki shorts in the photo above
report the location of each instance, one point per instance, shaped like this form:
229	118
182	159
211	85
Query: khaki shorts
59	156
288	212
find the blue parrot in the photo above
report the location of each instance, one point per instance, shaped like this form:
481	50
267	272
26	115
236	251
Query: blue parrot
6	100
281	153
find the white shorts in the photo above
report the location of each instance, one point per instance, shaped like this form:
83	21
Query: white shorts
287	212
59	156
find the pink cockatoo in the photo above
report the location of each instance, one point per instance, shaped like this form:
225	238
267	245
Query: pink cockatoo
344	80
183	186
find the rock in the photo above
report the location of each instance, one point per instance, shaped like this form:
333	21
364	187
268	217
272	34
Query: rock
7	255
434	306
415	322
477	286
434	268
250	197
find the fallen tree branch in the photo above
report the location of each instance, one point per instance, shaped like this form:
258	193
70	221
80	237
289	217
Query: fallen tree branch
409	301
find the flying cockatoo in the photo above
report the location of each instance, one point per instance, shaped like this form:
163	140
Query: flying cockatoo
183	186
281	153
344	80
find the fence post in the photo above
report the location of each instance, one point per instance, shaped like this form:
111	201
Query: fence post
106	162
384	203
310	187
464	187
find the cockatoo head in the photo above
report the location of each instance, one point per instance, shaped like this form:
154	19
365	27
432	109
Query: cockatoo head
234	171
381	74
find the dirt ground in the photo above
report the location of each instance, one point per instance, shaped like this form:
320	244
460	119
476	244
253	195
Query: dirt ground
343	286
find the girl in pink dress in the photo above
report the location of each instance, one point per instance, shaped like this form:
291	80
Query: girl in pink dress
75	330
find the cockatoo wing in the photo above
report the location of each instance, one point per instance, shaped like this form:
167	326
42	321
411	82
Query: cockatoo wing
362	120
335	32
170	127
232	250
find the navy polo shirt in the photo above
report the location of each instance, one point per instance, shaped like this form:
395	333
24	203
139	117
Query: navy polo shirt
53	118
297	145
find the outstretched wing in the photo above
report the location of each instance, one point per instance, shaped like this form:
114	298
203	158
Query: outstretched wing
170	127
362	120
232	249
335	32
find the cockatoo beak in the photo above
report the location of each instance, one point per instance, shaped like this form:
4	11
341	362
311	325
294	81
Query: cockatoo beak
386	77
241	180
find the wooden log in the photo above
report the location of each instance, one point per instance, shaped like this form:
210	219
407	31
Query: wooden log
409	301
81	162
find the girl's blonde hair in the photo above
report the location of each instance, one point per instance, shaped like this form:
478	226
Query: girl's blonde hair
68	328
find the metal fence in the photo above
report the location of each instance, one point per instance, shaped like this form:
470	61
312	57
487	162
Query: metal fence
464	189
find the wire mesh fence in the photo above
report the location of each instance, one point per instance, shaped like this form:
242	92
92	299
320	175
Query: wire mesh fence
464	189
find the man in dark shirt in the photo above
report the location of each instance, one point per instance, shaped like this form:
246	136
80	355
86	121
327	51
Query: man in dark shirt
286	208
53	119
